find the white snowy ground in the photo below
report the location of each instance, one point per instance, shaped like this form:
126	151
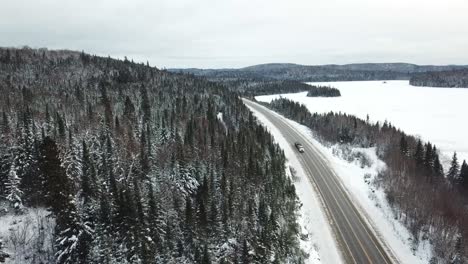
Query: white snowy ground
435	114
369	200
28	236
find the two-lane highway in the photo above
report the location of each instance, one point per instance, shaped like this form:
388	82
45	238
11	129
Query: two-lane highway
354	236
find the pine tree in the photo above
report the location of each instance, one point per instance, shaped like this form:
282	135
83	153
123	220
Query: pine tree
464	175
153	218
438	169
419	154
5	124
14	194
5	165
86	176
429	157
404	145
245	258
72	236
454	170
145	104
206	256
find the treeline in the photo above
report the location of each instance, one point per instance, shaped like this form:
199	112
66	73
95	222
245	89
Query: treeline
453	79
430	204
136	166
254	88
323	91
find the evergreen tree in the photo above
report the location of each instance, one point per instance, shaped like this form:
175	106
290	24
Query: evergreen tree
14	194
5	165
5	128
454	170
464	175
419	154
206	256
86	176
145	104
72	236
404	145
245	258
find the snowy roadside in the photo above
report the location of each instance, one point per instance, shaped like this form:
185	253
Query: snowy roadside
357	180
317	239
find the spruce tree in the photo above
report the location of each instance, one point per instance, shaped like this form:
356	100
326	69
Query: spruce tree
419	154
72	237
403	145
464	175
13	192
454	170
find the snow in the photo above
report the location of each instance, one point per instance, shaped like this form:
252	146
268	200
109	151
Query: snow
319	242
27	235
220	118
435	114
369	200
357	181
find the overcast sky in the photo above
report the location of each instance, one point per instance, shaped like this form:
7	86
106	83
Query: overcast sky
223	33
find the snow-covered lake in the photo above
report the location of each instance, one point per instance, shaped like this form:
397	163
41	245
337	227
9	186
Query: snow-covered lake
438	115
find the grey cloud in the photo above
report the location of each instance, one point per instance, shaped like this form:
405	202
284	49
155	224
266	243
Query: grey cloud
230	33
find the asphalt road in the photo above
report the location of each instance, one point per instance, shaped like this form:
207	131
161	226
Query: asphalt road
355	237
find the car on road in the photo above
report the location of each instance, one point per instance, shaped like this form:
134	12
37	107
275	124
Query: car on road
299	147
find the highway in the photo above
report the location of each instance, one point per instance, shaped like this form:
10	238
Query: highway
354	236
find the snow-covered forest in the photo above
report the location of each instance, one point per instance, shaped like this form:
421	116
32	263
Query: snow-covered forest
453	78
428	200
323	91
119	162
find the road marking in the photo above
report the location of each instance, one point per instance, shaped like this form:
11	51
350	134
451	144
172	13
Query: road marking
317	161
330	192
314	159
310	178
353	209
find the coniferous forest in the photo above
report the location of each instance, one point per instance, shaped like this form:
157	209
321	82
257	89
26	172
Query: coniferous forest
132	164
430	203
453	79
323	91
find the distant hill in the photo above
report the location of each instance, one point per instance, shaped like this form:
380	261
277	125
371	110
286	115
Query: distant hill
331	72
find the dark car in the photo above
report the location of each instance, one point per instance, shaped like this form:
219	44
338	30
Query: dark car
299	147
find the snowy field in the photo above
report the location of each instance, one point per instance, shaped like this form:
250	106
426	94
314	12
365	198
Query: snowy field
434	114
369	200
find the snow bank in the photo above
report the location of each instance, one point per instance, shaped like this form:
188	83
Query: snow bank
357	180
317	239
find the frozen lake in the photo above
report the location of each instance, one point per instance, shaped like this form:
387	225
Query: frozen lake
438	115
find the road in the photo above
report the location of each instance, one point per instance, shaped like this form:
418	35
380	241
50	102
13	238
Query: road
355	237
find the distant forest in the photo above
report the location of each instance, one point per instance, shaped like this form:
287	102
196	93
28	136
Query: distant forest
431	204
323	91
136	165
319	73
452	79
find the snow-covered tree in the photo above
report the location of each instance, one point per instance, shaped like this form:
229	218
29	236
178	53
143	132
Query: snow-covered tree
14	194
454	170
